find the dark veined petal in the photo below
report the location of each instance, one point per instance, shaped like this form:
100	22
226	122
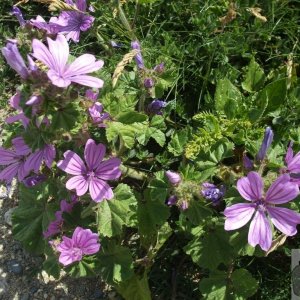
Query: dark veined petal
93	154
100	190
251	187
72	164
109	169
282	190
260	231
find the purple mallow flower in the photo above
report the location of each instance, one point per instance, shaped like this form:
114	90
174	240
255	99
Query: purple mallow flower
148	83
35	160
156	107
52	27
14	102
17	12
260	232
138	58
159	68
55	57
172	200
292	161
83	242
73	22
54	227
247	162
14	59
212	193
91	95
34	180
266	143
97	114
15	160
93	175
173	177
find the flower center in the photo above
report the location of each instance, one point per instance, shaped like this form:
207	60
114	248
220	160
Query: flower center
261	204
77	253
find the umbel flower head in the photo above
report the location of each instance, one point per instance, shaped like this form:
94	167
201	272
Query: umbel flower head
93	175
61	74
263	208
83	242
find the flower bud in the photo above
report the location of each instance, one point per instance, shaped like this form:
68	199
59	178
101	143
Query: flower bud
212	193
156	106
247	163
184	205
266	143
148	83
159	68
172	200
173	177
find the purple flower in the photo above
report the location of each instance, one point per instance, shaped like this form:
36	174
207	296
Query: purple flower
247	162
14	102
156	106
91	95
173	177
75	21
97	116
94	174
34	180
184	205
138	58
148	83
83	242
266	143
159	68
292	161
35	160
51	28
115	45
14	59
172	200
17	12
54	227
15	160
251	189
60	72
212	193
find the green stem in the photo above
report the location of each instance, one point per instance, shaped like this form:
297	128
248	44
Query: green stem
130	172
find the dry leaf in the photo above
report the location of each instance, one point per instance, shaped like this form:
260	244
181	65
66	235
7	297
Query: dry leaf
255	11
230	16
279	241
127	58
53	4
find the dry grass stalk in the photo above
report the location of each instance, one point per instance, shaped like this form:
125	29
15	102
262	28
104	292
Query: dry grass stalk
127	58
230	16
255	11
53	4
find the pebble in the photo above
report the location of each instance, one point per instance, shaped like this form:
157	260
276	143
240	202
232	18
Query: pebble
8	215
3	286
3	192
33	290
24	297
14	266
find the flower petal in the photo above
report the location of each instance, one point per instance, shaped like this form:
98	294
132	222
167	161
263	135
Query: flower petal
282	190
10	172
284	219
294	164
93	154
238	215
7	157
100	190
84	64
72	164
251	187
60	52
109	169
87	81
79	183
58	80
41	52
260	231
34	161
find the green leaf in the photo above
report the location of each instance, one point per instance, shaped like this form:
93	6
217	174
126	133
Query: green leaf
113	214
220	150
131	117
239	241
115	263
255	77
126	132
135	288
84	268
197	212
214	287
178	142
65	118
51	265
158	190
228	98
211	249
274	94
244	284
32	216
151	215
